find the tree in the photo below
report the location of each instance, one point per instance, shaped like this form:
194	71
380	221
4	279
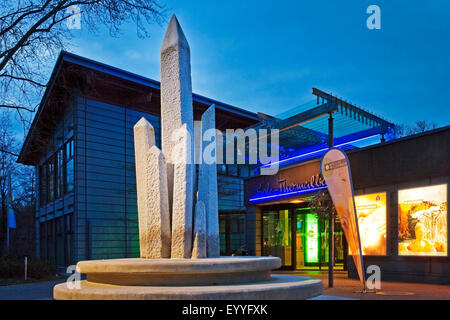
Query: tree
403	130
322	204
17	179
32	33
422	126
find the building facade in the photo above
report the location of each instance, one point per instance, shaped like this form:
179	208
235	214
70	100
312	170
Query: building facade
81	144
399	185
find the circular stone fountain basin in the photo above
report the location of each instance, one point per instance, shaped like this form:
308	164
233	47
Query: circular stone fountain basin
211	278
179	272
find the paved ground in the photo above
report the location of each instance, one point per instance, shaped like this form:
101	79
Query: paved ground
345	288
29	291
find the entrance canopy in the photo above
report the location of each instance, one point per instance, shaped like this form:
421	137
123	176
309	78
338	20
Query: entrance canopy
307	131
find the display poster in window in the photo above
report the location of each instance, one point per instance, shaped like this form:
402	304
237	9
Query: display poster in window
422	221
371	213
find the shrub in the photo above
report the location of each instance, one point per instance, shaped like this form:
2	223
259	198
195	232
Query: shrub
14	268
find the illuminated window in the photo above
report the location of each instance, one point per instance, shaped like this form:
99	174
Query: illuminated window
371	212
422	221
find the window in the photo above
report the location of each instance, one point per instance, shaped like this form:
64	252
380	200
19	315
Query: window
51	167
232	234
59	241
232	170
60	176
43	184
51	240
68	166
221	169
371	212
56	175
244	171
422	221
68	239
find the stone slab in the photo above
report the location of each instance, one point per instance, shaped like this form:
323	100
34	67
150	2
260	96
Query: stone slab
279	287
152	194
207	184
183	196
208	265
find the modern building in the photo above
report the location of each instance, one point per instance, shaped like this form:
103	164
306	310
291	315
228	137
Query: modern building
398	185
81	143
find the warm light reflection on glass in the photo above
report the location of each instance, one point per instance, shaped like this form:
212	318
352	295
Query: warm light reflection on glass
371	212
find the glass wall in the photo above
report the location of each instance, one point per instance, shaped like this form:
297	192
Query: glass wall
232	234
56	240
56	175
299	237
277	235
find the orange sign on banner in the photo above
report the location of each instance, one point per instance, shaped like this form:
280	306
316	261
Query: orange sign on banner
335	169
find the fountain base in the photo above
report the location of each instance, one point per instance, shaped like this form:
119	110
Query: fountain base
224	278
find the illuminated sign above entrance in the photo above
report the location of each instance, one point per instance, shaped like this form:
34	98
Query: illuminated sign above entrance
284	190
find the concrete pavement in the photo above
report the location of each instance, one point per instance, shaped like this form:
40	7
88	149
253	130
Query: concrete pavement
351	288
344	289
29	291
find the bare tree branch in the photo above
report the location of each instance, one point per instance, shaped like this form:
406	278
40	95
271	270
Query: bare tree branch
9	152
32	33
17	107
23	79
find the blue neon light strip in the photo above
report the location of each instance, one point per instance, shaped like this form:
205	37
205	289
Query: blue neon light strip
316	151
287	194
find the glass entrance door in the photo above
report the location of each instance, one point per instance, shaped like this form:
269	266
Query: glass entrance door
300	238
311	236
309	239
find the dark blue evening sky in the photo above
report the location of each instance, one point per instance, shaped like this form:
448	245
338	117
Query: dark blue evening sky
267	55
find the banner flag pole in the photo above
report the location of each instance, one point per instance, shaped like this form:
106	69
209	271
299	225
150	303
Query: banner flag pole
335	169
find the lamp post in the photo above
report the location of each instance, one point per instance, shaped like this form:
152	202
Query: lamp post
331	215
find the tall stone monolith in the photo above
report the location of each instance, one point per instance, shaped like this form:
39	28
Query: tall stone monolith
176	91
152	194
177	110
183	191
199	236
207	182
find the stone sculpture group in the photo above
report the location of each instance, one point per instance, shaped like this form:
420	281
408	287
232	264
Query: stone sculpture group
178	213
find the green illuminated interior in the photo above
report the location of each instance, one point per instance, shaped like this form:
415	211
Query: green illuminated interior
312	238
